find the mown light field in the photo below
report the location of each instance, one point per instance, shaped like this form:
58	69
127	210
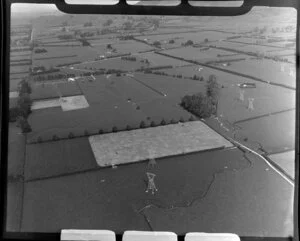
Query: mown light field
286	160
139	145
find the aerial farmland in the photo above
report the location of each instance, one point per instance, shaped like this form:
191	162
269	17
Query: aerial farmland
203	105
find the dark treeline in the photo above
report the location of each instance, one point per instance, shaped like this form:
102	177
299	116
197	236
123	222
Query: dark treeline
57	57
20	62
20	49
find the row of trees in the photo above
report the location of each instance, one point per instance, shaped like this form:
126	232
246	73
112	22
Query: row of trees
114	129
126	37
149	70
66	76
65	36
202	105
180	76
86	34
255	54
288	28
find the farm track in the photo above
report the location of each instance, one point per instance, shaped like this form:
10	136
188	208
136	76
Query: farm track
262	156
267	161
265	115
228	71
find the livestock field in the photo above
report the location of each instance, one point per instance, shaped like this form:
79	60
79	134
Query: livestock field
64	55
159	60
20	56
178	87
266	131
204	54
52	90
249	47
113	102
282	73
196	102
194	35
230	105
114	63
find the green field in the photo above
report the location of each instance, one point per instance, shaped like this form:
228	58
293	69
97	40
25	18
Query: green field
49	90
57	202
58	158
193	53
280	73
275	133
114	63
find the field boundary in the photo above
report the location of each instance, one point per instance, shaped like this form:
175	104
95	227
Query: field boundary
264	115
148	86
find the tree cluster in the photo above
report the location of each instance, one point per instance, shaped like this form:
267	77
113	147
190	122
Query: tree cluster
197	104
22	110
86	34
108	22
126	37
129	58
146	61
188	43
202	105
65	37
84	42
156	43
127	25
38	51
88	24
